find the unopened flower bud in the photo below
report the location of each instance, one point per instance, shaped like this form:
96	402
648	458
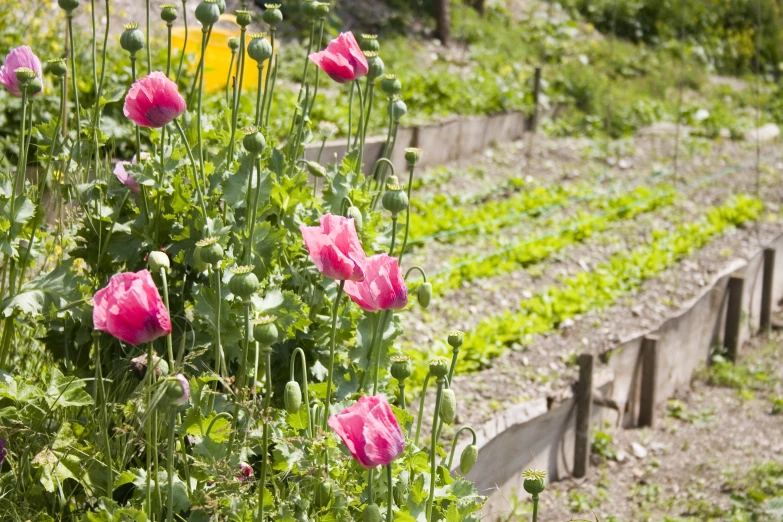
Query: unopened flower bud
448	406
372	513
178	390
323	495
265	331
375	65
468	459
456	338
369	42
244	282
315	169
168	13
259	48
272	14
233	43
132	39
57	67
395	200
208	12
211	252
253	141
425	294
397	109
391	85
292	397
412	156
68	5
439	366
535	481
356	215
157	260
244	18
401	367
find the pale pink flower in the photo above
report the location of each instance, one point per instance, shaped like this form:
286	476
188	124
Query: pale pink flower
383	287
154	101
370	431
335	248
130	309
20	57
125	177
342	59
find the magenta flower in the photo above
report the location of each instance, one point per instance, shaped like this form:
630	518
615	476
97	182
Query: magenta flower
370	431
154	101
125	177
383	287
335	248
20	57
130	309
245	472
342	59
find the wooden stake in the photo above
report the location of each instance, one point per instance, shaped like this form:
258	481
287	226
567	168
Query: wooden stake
647	398
584	401
733	316
766	289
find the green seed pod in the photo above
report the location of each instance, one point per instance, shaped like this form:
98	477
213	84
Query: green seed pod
425	294
259	48
244	282
456	338
323	495
272	14
265	331
356	215
468	459
401	367
307	8
292	397
57	67
157	260
34	86
24	75
395	200
168	13
199	263
372	513
369	42
448	406
68	5
535	481
208	12
221	5
233	43
412	156
439	366
391	85
132	39
397	109
253	141
375	65
211	252
244	18
321	10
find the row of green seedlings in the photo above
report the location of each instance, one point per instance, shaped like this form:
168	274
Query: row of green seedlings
598	288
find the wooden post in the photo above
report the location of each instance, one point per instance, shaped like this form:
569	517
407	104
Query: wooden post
584	401
532	124
647	395
766	289
733	316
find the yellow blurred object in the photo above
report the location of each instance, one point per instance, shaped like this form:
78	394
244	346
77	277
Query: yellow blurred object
218	55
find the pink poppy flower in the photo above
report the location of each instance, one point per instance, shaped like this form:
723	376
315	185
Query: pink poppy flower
154	101
130	309
335	248
383	287
245	472
125	177
342	59
370	431
20	57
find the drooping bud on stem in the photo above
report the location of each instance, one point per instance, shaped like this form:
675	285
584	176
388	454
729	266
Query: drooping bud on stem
157	260
448	406
292	397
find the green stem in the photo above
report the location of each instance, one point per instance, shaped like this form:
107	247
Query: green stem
370	486
103	413
148	425
193	164
265	441
402	395
149	55
408	219
433	447
184	43
241	378
93	44
390	494
259	92
73	80
170	464
393	235
305	391
360	128
370	88
330	376
165	285
219	363
204	39
535	507
384	318
350	120
374	319
168	48
454	442
237	94
267	86
138	131
271	91
421	408
306	61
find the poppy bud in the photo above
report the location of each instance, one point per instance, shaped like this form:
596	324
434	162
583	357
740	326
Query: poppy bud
259	48
535	481
208	12
395	200
412	156
391	85
57	67
244	282
323	495
292	397
456	338
168	13
375	65
244	18
397	109
265	331
401	367
425	294
68	5
211	252
448	406
233	43
439	366
272	14
372	513
178	390
369	42
315	169
356	215
468	459
132	39
254	141
157	260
